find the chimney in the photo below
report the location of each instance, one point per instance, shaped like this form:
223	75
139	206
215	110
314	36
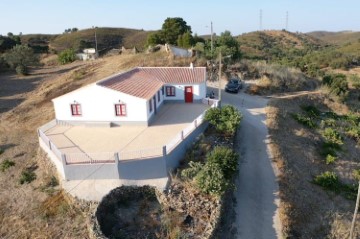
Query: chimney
191	65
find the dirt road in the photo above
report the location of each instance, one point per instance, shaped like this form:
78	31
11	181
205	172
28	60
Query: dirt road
257	188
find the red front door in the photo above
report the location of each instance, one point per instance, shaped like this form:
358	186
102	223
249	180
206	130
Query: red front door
188	94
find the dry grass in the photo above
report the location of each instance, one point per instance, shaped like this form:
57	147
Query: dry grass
306	210
29	210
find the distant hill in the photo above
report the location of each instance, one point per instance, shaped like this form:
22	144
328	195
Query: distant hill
107	38
276	44
338	38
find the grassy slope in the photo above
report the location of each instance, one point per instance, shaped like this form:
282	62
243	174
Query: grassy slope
339	38
264	44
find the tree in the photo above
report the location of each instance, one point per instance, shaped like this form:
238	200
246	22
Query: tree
228	45
170	32
20	57
185	40
172	28
154	39
67	56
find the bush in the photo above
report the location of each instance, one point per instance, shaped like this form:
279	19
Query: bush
67	56
225	120
211	179
192	171
311	111
225	158
328	180
215	176
337	85
1	151
27	176
330	159
304	120
328	123
332	136
21	70
6	164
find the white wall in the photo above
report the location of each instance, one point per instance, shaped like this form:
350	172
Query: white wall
98	104
199	91
158	103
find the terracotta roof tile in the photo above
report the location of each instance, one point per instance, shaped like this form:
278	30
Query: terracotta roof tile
144	82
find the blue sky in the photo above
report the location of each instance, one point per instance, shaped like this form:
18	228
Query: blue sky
53	16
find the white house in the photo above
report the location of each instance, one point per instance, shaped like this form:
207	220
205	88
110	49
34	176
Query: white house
132	97
88	54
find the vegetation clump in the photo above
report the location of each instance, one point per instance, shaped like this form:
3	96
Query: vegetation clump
20	57
67	56
6	164
337	85
226	119
27	176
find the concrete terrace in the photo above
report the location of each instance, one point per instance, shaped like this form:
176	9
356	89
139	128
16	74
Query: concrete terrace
128	140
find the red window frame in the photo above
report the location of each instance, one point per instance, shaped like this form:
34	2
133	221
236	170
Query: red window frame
76	109
158	94
120	109
150	105
170	90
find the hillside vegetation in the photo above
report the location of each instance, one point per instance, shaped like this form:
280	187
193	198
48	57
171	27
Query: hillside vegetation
338	38
107	38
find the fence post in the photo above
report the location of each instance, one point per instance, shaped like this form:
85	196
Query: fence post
164	150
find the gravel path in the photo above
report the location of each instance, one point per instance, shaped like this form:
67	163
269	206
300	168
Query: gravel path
257	188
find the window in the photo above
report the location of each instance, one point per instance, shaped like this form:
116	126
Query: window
76	110
150	105
158	96
170	91
120	109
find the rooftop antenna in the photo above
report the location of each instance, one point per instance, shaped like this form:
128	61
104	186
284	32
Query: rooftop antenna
260	20
287	21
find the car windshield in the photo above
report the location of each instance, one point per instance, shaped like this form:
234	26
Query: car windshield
234	82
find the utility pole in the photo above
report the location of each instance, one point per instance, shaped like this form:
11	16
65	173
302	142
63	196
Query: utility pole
212	45
219	103
355	213
96	48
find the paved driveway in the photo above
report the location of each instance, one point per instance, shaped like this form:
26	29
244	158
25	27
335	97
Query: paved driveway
257	188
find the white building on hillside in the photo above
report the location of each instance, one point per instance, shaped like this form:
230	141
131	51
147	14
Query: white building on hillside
132	97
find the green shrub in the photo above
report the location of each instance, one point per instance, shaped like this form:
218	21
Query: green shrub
328	123
6	164
329	148
211	179
330	159
328	180
337	85
21	70
311	110
225	158
67	56
215	176
1	151
304	120
225	120
354	133
27	176
332	136
192	171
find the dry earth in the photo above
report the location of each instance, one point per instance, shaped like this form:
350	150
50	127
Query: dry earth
306	210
